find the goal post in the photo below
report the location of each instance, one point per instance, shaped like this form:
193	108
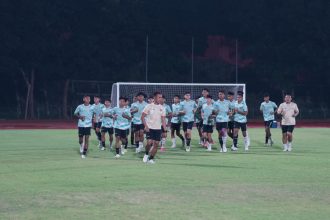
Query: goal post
130	89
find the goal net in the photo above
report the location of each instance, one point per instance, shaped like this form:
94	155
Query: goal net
130	89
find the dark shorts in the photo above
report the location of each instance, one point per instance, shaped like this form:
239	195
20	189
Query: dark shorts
107	130
230	125
287	128
239	125
82	131
97	125
208	128
137	127
221	125
199	125
268	123
154	134
175	126
121	133
187	125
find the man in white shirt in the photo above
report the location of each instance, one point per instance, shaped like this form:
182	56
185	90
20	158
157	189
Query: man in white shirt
288	110
156	114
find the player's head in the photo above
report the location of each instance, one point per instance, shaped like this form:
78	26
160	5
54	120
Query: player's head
122	101
97	99
221	95
140	96
240	96
86	99
176	99
266	97
107	102
158	97
150	99
162	100
230	96
187	95
205	92
208	99
197	99
288	97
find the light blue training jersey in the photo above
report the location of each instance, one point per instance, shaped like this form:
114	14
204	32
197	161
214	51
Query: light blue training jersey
168	110
207	111
222	107
242	107
107	121
137	115
188	107
97	111
84	110
176	108
120	122
268	109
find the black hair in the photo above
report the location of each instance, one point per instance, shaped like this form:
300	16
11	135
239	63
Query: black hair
107	99
222	91
141	93
206	89
84	96
240	93
209	97
230	93
123	98
97	96
176	96
266	94
157	93
187	93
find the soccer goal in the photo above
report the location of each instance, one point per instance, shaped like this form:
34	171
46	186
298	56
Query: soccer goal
130	89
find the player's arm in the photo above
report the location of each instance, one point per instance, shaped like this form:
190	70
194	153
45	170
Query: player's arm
127	115
296	111
77	114
280	110
143	119
261	108
164	123
244	112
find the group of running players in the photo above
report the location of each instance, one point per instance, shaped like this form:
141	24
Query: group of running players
150	120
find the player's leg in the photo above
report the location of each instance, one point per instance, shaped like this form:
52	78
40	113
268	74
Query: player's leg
235	136
133	136
97	126
204	137
230	130
124	141
285	137
219	129
136	137
141	136
163	140
173	135
87	133
178	134
209	137
110	137
103	132
245	135
188	136
155	137
117	142
148	147
290	137
81	139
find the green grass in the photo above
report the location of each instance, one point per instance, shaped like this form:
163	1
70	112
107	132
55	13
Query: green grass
43	177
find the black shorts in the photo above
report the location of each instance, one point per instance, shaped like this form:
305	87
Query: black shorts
82	131
187	125
239	125
221	125
175	126
137	127
97	125
107	130
208	128
230	125
287	128
154	134
121	133
268	123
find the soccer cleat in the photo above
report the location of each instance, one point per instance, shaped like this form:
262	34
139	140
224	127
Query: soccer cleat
100	144
233	148
83	156
246	148
271	142
209	148
162	149
151	161
102	148
137	150
289	148
173	146
145	158
224	149
117	156
187	149
221	150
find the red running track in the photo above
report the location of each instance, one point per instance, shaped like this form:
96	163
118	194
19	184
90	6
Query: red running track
70	124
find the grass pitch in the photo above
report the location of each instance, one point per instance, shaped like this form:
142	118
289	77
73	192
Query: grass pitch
43	177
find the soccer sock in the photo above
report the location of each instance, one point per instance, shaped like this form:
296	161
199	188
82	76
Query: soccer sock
266	139
136	144
163	142
221	142
180	136
246	139
235	139
188	142
126	143
117	150
173	141
289	144
224	141
151	157
132	138
98	134
85	150
103	143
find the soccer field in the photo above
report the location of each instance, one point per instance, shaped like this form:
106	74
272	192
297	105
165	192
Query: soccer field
43	177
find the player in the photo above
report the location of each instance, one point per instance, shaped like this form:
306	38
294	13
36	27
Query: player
240	120
208	115
132	125
107	123
203	98
150	99
188	107
97	111
156	120
199	121
230	130
268	108
122	118
136	110
222	108
85	115
168	114
176	121
289	111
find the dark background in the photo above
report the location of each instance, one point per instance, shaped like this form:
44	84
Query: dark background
46	46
